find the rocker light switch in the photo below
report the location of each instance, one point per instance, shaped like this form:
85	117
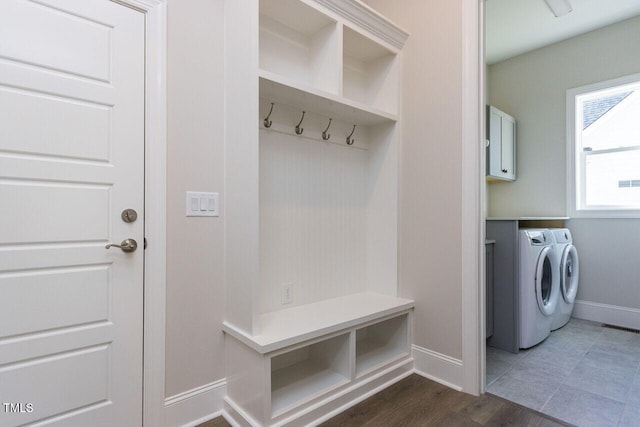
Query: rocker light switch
202	204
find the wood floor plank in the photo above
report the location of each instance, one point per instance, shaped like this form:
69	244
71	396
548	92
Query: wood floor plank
216	422
371	414
482	409
454	419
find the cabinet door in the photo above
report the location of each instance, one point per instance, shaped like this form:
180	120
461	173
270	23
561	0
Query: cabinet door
489	290
501	154
508	147
495	138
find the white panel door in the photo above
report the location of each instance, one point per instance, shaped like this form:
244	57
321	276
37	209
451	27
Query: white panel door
71	160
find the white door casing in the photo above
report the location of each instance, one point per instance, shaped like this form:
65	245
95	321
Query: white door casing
71	159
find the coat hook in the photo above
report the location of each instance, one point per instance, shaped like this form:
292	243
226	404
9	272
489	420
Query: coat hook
325	134
350	140
299	130
267	122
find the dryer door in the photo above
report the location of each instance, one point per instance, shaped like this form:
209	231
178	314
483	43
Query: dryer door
547	298
569	271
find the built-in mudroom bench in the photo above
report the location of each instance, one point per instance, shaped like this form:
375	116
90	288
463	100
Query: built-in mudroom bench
314	358
314	321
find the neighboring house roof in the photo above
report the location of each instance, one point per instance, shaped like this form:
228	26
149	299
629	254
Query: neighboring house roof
596	108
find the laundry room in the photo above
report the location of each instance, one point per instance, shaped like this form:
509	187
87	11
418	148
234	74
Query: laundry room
571	85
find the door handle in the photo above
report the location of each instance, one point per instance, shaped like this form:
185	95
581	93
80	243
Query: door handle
127	245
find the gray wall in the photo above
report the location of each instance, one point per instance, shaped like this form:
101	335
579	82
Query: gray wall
532	87
195	250
609	252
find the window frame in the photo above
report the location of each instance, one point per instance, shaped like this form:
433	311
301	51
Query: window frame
576	160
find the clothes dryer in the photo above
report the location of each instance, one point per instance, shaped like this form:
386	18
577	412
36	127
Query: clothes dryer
538	287
568	267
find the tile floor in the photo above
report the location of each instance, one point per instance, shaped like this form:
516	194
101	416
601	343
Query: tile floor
583	374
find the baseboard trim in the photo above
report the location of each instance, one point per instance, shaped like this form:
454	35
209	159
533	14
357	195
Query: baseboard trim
236	416
605	313
193	407
438	367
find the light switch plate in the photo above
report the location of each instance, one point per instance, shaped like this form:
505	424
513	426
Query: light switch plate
202	204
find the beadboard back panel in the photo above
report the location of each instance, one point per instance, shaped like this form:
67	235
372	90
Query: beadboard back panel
313	219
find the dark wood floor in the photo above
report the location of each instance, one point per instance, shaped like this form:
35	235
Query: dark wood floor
417	401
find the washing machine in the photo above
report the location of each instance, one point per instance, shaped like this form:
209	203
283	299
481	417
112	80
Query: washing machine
538	285
568	267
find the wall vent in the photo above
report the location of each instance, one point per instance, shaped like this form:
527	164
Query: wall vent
621	328
628	183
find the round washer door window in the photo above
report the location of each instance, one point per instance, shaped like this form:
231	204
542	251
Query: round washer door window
544	283
570	269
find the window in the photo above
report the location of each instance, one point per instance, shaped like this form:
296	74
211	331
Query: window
603	132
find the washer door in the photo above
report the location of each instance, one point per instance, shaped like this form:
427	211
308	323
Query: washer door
569	272
547	298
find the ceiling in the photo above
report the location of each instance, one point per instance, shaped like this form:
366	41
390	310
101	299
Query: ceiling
514	27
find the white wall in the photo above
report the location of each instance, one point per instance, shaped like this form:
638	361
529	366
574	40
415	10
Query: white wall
430	169
195	256
532	87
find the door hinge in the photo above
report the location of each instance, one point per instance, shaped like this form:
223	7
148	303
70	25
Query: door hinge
145	243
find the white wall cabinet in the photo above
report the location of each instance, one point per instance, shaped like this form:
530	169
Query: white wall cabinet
313	318
501	152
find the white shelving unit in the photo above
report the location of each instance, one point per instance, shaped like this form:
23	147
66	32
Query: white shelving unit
311	214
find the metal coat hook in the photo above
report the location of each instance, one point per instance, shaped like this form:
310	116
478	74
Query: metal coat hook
267	122
350	140
299	130
325	134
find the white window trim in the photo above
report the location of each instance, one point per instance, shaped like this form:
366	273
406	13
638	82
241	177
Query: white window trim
572	184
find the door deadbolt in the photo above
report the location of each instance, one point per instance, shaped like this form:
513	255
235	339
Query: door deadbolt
129	215
127	245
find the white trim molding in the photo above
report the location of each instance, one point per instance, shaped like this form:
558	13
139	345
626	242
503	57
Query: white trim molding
610	314
438	367
195	406
576	197
472	202
367	18
155	12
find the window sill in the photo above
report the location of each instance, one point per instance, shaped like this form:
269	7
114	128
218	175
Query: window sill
605	214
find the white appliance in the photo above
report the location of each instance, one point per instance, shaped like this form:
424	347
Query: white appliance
539	285
567	266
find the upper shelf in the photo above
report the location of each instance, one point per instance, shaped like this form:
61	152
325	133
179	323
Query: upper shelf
299	43
284	328
277	89
312	50
369	72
